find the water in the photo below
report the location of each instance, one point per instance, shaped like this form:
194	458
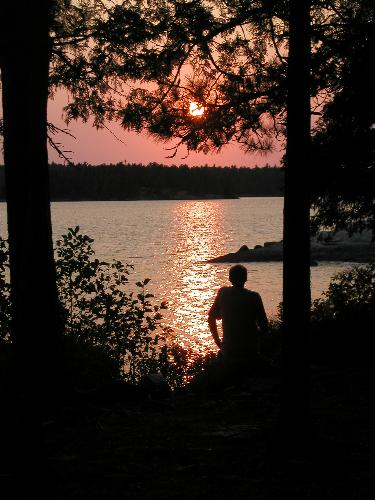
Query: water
169	241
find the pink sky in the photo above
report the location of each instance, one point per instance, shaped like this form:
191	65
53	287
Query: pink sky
100	146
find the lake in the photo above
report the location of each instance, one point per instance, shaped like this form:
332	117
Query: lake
169	242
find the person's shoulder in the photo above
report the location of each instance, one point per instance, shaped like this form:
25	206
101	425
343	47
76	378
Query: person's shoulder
221	291
252	294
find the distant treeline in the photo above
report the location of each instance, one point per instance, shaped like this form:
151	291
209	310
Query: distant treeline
155	181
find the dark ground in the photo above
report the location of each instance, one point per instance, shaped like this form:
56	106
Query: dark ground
195	447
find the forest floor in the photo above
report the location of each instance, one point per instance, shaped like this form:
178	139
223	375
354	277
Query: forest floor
214	446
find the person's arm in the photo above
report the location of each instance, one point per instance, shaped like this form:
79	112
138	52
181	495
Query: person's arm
213	315
262	320
213	329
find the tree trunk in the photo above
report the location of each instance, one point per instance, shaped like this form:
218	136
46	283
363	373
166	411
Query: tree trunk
295	425
24	58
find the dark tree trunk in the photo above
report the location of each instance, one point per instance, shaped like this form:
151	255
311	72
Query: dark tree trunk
35	329
24	59
295	427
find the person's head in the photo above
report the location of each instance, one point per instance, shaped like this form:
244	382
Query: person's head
238	275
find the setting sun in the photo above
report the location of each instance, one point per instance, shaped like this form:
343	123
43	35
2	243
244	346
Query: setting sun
196	109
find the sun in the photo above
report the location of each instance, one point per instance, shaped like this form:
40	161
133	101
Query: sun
196	109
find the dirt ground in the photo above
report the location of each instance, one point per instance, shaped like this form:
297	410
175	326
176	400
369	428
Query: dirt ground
216	446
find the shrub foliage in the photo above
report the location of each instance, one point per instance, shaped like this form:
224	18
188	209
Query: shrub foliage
110	331
343	318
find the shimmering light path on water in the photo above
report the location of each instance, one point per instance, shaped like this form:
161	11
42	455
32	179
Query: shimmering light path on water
170	241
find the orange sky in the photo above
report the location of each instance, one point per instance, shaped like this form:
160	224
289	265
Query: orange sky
95	147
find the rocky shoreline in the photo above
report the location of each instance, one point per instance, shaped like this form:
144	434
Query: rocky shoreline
325	246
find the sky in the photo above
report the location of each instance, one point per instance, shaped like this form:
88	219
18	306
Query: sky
97	147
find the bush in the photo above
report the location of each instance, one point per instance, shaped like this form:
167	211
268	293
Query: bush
110	332
343	319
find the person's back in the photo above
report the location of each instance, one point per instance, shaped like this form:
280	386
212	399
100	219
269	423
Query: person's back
243	317
240	314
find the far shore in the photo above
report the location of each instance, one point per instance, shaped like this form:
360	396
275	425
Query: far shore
161	198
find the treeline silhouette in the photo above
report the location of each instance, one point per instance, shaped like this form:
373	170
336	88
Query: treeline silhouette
156	181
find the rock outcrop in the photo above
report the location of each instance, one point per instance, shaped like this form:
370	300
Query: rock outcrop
325	246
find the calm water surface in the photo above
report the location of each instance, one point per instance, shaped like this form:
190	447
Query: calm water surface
169	242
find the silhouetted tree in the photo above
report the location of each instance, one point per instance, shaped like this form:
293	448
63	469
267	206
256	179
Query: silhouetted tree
47	26
231	58
249	65
344	142
35	324
35	327
294	426
95	52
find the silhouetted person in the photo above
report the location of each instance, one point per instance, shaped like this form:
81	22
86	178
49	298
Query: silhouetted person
243	319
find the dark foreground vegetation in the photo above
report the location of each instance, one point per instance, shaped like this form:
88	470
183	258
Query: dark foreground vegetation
193	447
119	432
110	332
115	333
155	181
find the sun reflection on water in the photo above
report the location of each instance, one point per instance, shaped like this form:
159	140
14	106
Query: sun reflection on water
200	229
169	241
